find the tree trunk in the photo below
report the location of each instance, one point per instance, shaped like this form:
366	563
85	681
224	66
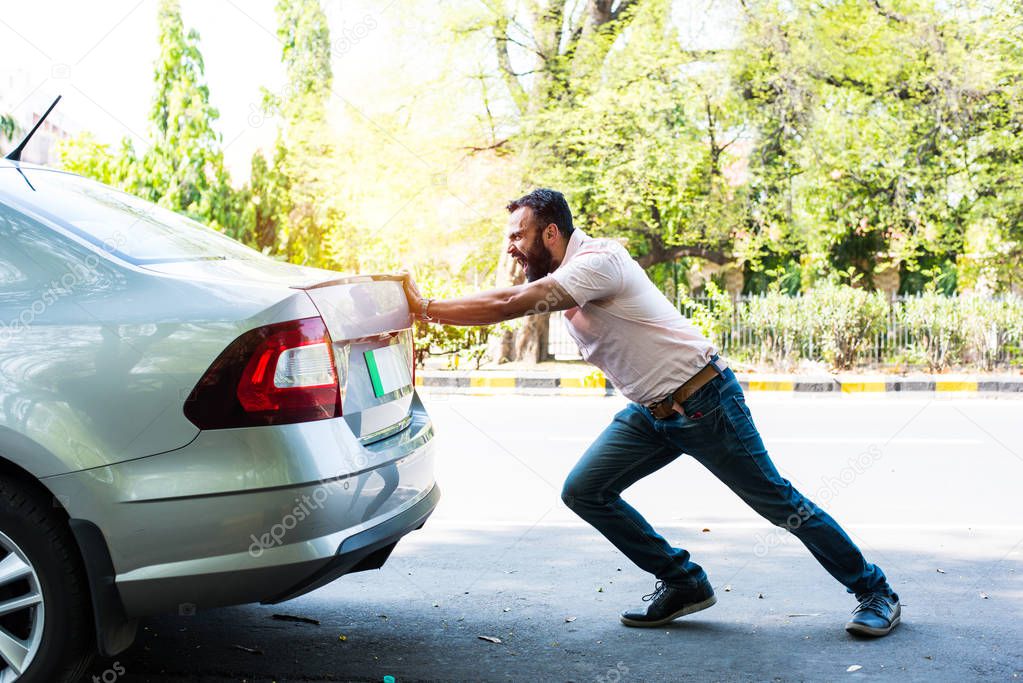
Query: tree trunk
531	339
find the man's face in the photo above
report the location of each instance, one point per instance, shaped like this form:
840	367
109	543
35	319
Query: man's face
525	244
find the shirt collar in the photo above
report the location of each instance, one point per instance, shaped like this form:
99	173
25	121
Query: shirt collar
574	242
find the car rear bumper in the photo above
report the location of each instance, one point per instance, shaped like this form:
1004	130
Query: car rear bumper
256	514
368	549
272	583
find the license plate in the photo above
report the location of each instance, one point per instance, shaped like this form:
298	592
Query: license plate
388	369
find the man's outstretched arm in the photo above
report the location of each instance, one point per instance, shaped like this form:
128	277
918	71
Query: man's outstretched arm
495	305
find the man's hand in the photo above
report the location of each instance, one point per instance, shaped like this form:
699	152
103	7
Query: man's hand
415	299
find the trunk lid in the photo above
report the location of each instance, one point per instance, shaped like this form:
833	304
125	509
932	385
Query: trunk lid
369	323
371	329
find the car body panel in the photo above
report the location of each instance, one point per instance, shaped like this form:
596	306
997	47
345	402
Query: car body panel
241	499
94	373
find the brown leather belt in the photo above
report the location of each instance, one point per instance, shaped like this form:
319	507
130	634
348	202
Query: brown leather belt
672	404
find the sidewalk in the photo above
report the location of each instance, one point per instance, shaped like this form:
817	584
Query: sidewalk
582	380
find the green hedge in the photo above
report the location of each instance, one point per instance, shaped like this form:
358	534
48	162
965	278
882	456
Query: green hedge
847	327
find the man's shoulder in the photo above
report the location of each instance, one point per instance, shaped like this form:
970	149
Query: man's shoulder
602	247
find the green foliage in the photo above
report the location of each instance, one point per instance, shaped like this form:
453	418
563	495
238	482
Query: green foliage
846	327
87	156
833	323
990	327
879	127
935	324
183	169
8	126
712	318
268	202
780	327
305	162
833	149
641	145
844	321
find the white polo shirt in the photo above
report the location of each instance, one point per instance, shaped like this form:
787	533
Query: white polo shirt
624	325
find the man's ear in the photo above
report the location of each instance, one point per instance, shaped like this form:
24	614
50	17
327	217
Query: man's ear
550	232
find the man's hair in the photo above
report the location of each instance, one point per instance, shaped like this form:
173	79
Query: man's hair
549	206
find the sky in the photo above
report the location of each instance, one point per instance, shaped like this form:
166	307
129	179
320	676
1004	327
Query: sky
101	62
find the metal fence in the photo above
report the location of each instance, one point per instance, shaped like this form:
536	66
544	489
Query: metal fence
896	344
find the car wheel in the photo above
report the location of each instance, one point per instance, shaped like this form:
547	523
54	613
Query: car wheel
46	631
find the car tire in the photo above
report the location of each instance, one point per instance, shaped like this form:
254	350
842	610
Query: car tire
34	530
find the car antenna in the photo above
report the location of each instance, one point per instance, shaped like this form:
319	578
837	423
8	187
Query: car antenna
15	154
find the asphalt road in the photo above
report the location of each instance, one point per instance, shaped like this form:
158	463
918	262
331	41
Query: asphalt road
928	487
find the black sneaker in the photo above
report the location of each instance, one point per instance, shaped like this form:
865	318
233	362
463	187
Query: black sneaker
876	615
668	603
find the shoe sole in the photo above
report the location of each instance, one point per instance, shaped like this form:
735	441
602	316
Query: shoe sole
861	630
688	609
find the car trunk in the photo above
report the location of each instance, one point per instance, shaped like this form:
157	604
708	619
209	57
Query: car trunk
369	324
370	327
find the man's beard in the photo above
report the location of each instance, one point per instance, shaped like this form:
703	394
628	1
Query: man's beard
538	264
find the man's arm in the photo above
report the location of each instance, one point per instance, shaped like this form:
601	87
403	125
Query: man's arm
495	305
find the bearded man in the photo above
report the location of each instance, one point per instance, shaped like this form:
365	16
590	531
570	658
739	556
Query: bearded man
683	399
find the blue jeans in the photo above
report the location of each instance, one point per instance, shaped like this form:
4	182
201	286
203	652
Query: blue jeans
718	431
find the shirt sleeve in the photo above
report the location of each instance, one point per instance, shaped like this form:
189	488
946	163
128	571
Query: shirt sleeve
591	276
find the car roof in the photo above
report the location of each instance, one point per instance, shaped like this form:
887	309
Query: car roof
7	163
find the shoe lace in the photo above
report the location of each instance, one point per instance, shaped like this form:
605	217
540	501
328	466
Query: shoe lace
874	603
658	589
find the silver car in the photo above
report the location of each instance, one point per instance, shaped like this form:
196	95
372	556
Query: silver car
184	422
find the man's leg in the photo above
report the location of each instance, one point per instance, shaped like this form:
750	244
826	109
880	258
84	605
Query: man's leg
628	450
724	439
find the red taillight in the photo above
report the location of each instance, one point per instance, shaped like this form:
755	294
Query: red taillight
277	374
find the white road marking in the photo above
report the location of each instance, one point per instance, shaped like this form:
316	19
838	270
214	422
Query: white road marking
905	440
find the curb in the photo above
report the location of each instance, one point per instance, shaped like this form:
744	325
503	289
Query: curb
494	383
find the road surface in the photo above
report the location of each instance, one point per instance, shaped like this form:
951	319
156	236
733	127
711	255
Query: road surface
928	487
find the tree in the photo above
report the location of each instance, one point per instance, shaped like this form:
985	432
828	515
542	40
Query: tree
876	125
546	54
183	169
305	161
993	256
267	208
85	155
643	150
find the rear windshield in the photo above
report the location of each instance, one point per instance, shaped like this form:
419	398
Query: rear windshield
127	227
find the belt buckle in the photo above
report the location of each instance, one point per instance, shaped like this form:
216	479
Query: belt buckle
655	408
